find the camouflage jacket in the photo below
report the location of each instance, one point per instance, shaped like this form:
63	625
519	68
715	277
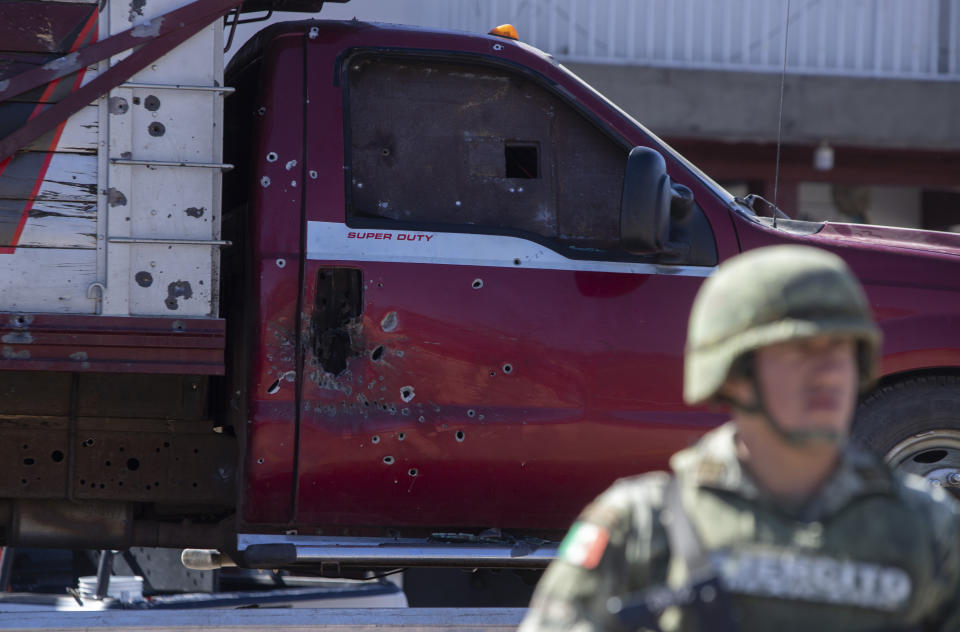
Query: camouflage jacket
869	552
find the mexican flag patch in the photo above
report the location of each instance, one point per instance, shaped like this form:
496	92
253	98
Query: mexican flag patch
584	545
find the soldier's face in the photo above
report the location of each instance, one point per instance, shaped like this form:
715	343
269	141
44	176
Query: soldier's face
810	384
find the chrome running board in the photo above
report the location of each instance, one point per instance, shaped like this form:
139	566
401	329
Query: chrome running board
443	550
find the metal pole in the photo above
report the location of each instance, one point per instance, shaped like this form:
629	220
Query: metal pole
104	568
6	567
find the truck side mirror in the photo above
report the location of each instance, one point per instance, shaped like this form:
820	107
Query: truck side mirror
645	204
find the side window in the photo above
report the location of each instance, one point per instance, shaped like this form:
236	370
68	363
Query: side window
456	144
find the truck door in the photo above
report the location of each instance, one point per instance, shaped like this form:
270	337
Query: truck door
483	353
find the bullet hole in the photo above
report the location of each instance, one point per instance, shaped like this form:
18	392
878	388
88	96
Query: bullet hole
405	412
156	129
401	436
290	165
477	284
471	413
143	279
412	471
88	443
281	263
133	464
508	368
273	388
178	325
377	353
460	436
107	463
407	394
23	481
384	151
116	198
388	460
56	456
313	174
136	100
264	181
152	103
28	461
493	374
375	439
175	290
118	105
166	444
195	211
516	262
194	484
389	322
261	110
260	460
272	156
421	419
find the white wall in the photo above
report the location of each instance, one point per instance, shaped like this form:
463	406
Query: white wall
889	206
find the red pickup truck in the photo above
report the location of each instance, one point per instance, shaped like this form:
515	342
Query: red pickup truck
438	302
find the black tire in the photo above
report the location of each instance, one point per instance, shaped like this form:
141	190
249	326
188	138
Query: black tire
914	425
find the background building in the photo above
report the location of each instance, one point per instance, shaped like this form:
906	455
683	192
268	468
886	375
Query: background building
871	100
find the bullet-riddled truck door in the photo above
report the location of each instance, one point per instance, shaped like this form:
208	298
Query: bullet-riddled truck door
474	318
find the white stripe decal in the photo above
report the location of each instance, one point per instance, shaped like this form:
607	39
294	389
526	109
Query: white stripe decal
332	241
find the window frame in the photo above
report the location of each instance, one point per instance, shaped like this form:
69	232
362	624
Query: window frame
570	251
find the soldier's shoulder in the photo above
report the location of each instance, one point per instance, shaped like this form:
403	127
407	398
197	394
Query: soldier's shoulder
627	497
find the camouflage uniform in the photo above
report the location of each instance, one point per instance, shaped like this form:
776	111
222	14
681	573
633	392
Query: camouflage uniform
869	551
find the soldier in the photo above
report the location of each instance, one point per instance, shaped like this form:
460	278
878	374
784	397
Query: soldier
770	521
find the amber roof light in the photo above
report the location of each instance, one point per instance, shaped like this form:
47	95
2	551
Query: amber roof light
505	30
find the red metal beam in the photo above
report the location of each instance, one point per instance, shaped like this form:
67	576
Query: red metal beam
68	342
154	39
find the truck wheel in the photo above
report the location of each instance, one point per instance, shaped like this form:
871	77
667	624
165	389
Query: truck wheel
915	426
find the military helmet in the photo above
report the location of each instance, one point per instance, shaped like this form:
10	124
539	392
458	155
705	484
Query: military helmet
772	295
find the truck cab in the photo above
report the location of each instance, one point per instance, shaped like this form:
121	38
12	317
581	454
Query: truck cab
450	289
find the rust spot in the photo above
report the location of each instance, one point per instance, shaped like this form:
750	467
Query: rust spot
193	211
144	278
177	289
